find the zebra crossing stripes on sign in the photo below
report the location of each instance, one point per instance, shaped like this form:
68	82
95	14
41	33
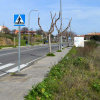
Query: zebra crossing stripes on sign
19	20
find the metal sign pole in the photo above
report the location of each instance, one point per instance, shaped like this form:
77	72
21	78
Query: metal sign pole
19	52
19	20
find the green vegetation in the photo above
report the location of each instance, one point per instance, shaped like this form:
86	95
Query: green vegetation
22	41
63	48
34	41
14	46
50	54
75	77
95	38
13	73
59	51
9	36
7	46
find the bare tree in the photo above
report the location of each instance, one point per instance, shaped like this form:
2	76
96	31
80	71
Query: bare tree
24	30
60	33
50	30
13	31
38	32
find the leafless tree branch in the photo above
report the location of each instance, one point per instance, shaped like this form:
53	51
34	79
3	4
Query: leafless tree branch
51	15
52	24
66	28
41	27
55	23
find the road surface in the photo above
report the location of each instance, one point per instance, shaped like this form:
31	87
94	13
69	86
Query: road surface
29	54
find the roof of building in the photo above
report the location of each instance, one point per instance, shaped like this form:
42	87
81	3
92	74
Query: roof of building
93	33
28	31
24	31
16	31
79	35
4	27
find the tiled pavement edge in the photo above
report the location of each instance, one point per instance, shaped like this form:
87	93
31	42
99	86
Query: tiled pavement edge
15	87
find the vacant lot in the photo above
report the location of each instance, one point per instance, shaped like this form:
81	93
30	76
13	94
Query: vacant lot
76	77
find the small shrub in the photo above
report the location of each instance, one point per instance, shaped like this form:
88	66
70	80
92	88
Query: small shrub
63	48
50	54
96	87
8	36
59	51
25	37
13	73
77	61
38	40
14	46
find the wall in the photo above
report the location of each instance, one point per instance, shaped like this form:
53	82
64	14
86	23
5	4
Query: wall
1	28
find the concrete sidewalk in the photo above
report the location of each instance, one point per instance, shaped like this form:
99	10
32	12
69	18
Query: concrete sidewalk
16	87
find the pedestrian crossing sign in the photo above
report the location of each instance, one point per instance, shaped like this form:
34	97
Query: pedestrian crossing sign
19	20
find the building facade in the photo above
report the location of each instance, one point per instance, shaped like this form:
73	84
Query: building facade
1	27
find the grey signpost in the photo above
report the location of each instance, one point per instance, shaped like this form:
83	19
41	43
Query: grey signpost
19	20
19	52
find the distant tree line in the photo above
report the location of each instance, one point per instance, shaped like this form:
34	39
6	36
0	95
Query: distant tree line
95	38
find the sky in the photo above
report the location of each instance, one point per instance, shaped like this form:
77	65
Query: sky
85	14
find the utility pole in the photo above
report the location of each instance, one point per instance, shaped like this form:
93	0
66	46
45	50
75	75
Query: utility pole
61	23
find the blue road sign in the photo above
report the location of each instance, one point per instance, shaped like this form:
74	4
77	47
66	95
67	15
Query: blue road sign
69	37
19	20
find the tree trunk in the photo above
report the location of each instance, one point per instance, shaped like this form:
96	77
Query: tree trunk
14	41
49	44
66	41
59	41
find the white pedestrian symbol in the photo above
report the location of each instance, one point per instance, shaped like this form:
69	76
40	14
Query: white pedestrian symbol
19	20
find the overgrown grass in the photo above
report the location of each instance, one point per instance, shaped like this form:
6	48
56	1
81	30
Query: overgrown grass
7	46
22	42
50	54
75	77
14	46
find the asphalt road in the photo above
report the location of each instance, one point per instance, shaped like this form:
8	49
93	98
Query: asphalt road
29	54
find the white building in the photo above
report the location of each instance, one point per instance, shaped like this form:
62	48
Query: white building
1	27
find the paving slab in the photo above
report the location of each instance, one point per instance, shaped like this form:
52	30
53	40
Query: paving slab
16	87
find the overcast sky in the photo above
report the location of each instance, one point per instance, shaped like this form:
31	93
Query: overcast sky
85	14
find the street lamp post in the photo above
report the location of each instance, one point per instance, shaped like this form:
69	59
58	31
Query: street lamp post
61	24
29	26
70	30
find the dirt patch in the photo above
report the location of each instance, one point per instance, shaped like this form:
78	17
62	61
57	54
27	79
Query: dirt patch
5	41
